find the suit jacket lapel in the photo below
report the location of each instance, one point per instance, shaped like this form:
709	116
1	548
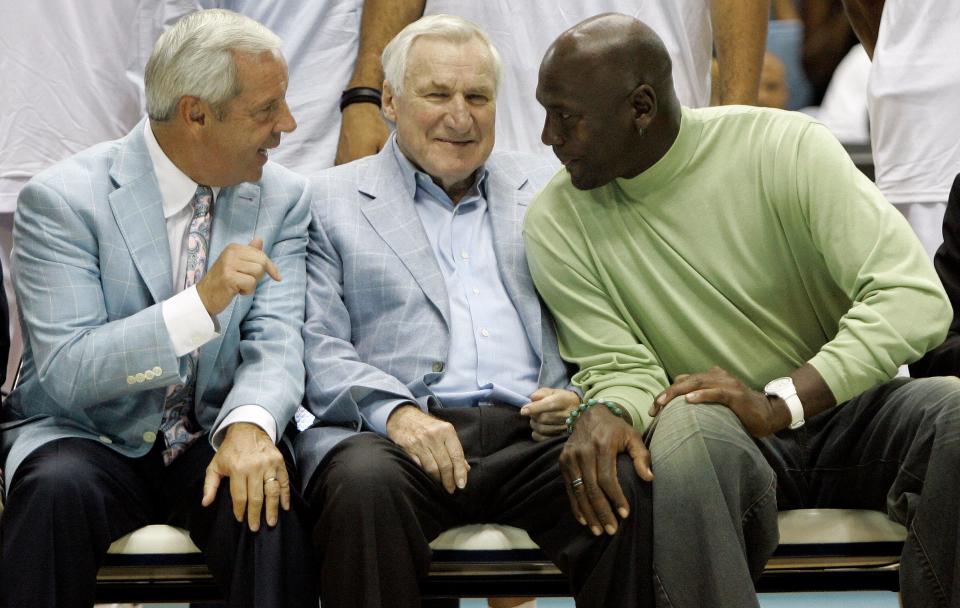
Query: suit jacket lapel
391	213
137	207
235	214
507	202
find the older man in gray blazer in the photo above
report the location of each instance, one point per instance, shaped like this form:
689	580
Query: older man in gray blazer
155	384
432	368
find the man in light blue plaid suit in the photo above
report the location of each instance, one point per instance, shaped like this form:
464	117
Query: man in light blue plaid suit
433	371
161	281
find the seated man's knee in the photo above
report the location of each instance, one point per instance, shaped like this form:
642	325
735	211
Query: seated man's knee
928	408
367	466
56	476
695	444
938	397
680	421
635	489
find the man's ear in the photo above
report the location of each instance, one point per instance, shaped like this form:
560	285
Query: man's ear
643	101
193	111
388	100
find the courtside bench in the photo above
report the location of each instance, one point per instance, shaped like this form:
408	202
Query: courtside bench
820	549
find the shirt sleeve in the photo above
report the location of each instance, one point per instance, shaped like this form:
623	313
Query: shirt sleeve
187	321
614	364
898	308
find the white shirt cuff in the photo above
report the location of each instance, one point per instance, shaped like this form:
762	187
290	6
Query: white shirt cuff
253	414
187	321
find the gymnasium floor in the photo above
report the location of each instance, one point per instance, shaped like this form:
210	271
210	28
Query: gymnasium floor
861	599
852	599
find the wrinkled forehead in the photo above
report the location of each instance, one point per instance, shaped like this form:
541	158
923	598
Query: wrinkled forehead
432	57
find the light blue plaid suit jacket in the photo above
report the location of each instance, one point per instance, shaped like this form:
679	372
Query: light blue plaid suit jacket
92	267
377	307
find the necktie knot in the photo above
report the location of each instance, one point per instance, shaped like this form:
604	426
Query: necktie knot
202	201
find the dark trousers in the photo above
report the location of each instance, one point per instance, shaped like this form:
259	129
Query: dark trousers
895	448
376	512
71	498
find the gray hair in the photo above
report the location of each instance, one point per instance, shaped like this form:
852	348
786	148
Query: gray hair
195	57
445	27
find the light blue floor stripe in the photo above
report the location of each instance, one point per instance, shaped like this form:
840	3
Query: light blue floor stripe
846	599
851	599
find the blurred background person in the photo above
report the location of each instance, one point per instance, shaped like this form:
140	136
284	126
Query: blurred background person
774	90
913	99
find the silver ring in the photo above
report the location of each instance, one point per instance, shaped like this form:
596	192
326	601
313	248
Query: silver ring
576	483
269	479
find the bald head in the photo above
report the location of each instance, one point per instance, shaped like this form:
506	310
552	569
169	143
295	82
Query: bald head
607	87
614	46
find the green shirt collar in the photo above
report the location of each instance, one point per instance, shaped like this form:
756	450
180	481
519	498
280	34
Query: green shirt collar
673	162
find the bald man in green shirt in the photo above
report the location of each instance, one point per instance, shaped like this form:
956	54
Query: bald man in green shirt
742	298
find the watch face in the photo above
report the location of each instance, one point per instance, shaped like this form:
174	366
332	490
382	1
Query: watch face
778	385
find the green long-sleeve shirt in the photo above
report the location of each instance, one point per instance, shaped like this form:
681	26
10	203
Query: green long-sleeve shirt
753	244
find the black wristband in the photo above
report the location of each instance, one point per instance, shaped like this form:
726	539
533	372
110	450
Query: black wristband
359	95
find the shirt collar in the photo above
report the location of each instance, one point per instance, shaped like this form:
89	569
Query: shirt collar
672	164
176	189
414	178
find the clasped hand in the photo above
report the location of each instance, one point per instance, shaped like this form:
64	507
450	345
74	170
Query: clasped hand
548	410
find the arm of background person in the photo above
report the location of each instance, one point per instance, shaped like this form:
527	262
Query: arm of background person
864	17
827	37
362	129
740	37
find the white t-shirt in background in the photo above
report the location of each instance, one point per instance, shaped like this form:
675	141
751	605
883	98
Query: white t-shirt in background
914	103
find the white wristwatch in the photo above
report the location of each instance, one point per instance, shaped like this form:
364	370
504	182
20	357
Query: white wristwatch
784	388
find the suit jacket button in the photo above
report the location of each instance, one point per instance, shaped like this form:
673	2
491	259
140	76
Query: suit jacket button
438	366
140	377
131	380
106	439
157	371
149	375
149	437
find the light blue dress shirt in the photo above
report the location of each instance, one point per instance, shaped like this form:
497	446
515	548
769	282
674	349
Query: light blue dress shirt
491	358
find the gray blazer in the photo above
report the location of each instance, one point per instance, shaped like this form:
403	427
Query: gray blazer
92	267
377	307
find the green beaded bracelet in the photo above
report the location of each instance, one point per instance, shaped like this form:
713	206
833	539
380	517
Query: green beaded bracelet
615	409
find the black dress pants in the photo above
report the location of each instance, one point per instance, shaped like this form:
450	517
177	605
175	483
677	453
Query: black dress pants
71	498
376	512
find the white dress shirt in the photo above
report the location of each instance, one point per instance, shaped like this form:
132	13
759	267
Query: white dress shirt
187	320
